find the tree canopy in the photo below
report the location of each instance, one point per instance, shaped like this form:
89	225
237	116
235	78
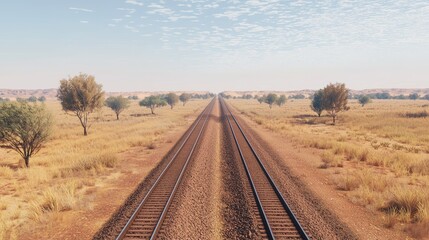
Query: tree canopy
363	100
271	99
281	100
335	99
24	127
317	102
82	96
184	98
414	96
261	99
153	102
117	104
172	99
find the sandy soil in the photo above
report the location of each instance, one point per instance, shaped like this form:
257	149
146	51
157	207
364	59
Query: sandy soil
295	170
197	206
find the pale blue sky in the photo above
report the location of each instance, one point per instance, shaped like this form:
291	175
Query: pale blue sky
215	45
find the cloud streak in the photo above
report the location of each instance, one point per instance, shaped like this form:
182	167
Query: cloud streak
134	2
81	9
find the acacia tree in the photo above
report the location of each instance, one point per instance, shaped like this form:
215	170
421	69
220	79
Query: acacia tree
184	98
117	104
32	99
414	96
317	102
426	97
281	100
335	99
363	100
152	102
271	99
42	99
261	99
81	95
24	128
172	99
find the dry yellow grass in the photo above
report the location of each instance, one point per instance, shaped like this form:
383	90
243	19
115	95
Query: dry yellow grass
376	154
61	175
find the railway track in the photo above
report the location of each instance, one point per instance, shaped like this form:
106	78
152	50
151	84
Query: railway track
275	219
147	219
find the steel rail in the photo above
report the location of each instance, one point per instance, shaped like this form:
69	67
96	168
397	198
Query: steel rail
264	217
130	221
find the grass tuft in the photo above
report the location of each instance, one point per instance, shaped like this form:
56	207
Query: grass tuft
330	159
410	205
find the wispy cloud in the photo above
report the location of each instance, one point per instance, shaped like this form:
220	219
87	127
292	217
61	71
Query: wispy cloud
267	26
83	21
80	9
129	10
134	2
131	28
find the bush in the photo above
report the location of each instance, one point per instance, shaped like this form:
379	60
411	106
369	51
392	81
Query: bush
422	114
409	204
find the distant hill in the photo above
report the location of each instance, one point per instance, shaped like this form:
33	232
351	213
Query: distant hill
308	92
51	94
25	93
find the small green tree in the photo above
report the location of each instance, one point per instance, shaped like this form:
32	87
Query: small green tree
271	99
81	95
426	97
153	102
363	100
317	102
42	99
32	99
117	104
261	99
335	99
172	99
184	98
281	100
414	96
247	96
24	128
4	99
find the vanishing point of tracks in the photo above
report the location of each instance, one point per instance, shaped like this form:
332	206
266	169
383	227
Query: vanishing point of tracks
275	219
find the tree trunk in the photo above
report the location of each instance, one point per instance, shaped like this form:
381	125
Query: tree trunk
117	116
171	106
319	114
85	132
184	103
151	109
333	119
27	161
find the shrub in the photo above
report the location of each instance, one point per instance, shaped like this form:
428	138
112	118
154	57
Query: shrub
409	204
422	114
331	160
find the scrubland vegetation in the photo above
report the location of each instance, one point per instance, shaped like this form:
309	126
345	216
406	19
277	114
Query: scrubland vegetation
377	154
68	170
